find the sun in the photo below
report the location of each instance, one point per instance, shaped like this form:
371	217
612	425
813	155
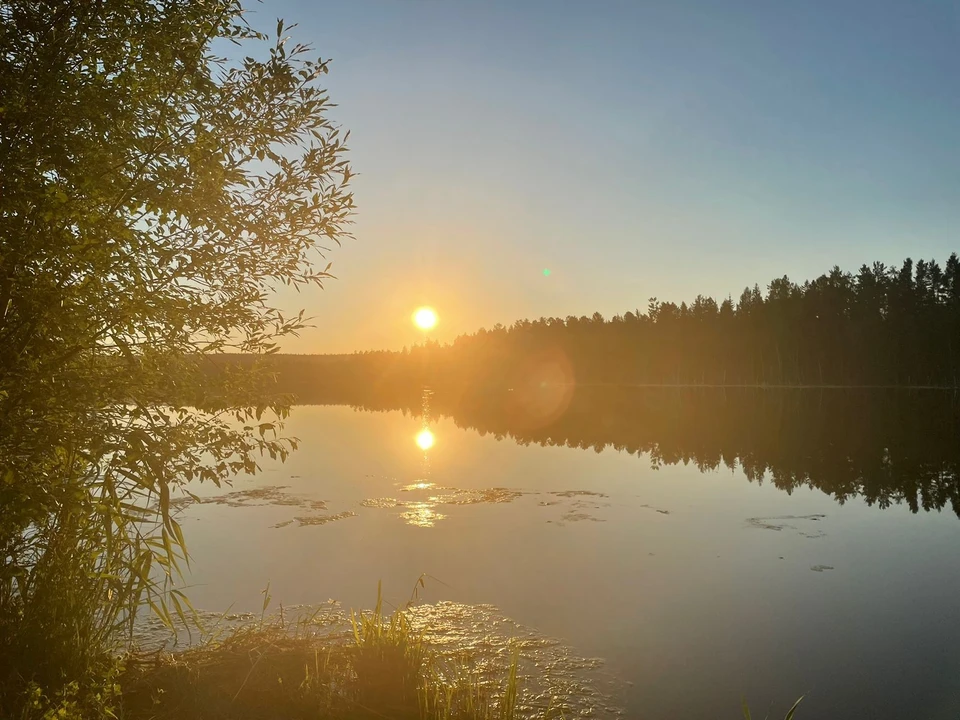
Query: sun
425	439
425	318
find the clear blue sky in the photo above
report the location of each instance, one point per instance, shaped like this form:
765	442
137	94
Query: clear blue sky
635	149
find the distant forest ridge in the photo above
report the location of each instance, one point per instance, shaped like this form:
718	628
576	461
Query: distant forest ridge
880	326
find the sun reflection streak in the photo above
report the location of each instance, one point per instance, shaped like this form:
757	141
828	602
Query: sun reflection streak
419	485
421	514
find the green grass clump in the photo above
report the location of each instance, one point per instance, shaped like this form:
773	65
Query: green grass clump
274	670
389	661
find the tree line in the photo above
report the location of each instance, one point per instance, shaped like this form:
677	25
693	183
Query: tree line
880	326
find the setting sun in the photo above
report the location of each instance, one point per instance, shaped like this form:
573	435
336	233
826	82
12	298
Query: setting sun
425	439
425	318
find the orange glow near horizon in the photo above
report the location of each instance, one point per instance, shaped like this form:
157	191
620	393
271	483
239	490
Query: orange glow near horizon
425	318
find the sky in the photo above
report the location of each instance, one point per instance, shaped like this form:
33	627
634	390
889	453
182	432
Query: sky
635	149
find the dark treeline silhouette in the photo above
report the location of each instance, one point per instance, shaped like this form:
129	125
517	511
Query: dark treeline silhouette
881	326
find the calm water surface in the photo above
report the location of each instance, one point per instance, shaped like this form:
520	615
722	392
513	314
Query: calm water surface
693	588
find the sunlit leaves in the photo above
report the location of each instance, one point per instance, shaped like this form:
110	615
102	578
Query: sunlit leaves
152	195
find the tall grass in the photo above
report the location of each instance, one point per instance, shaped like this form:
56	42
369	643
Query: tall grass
382	669
60	621
72	577
388	660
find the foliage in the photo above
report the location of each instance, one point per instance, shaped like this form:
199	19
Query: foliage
94	697
152	195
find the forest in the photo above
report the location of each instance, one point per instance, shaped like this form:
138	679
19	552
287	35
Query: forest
882	326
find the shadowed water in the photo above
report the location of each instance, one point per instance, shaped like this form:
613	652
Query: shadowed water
701	546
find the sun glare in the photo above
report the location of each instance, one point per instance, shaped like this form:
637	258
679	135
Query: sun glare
425	439
425	318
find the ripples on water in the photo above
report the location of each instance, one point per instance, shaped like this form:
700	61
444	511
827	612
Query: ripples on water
552	676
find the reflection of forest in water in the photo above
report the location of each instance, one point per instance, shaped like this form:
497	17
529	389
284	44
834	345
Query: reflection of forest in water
887	447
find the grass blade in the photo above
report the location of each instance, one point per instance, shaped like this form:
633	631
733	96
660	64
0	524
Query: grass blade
793	709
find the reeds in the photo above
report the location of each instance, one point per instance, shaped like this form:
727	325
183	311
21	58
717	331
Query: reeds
279	669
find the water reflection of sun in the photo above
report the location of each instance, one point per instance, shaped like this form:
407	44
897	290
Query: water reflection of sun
425	439
418	485
421	514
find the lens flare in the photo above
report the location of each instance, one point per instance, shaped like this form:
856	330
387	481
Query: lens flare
425	439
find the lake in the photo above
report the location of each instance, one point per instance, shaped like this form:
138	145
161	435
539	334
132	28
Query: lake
702	546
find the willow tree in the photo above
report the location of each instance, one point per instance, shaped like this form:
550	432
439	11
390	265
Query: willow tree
153	195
